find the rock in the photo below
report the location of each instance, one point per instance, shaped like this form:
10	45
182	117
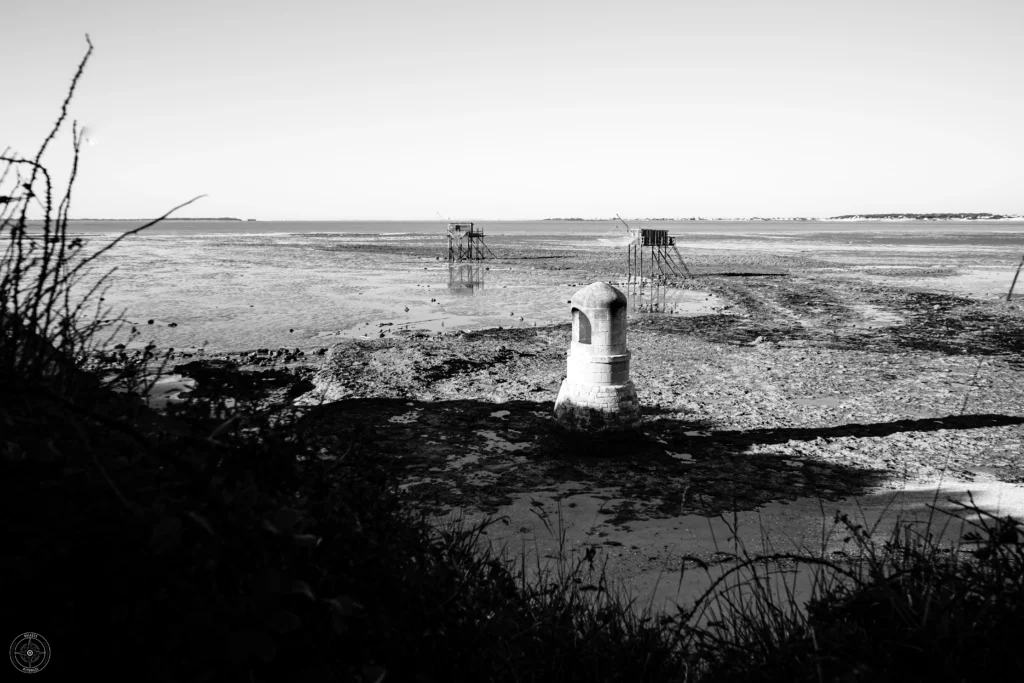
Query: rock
172	324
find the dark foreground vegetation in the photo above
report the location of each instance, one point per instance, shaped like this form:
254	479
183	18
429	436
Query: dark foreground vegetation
213	544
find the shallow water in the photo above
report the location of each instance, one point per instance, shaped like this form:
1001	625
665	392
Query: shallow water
234	290
237	292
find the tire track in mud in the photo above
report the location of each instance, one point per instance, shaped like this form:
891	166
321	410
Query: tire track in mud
801	303
776	307
846	315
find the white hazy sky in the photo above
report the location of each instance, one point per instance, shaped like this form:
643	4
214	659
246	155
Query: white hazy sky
333	109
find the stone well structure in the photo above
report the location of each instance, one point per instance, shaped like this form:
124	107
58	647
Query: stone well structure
597	394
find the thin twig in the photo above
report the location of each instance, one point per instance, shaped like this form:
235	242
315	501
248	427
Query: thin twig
64	106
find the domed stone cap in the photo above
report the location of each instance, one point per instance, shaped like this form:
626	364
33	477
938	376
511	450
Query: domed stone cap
599	295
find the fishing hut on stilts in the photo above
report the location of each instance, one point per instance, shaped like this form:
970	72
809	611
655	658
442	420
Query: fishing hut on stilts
654	266
466	249
466	243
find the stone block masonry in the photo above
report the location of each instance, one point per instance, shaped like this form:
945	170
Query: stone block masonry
597	394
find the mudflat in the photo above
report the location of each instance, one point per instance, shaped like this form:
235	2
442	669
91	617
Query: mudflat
795	377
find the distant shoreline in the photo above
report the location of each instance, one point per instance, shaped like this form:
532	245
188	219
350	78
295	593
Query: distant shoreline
172	218
875	217
867	218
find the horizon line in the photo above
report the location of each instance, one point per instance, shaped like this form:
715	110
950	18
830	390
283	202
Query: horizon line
969	215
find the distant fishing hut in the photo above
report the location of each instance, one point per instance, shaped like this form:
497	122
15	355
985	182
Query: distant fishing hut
662	267
466	243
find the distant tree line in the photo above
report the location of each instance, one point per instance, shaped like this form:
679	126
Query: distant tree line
863	216
929	216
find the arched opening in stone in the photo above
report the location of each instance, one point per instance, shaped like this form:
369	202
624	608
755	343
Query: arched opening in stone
580	327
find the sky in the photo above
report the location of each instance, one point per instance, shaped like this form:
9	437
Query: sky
387	110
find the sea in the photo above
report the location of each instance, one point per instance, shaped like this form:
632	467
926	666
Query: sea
548	227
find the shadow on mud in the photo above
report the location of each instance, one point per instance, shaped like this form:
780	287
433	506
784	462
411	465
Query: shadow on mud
467	453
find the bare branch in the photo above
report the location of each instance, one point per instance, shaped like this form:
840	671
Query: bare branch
67	102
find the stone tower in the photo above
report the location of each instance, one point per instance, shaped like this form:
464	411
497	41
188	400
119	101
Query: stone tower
597	394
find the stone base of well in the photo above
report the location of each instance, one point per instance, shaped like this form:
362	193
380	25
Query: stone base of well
597	408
